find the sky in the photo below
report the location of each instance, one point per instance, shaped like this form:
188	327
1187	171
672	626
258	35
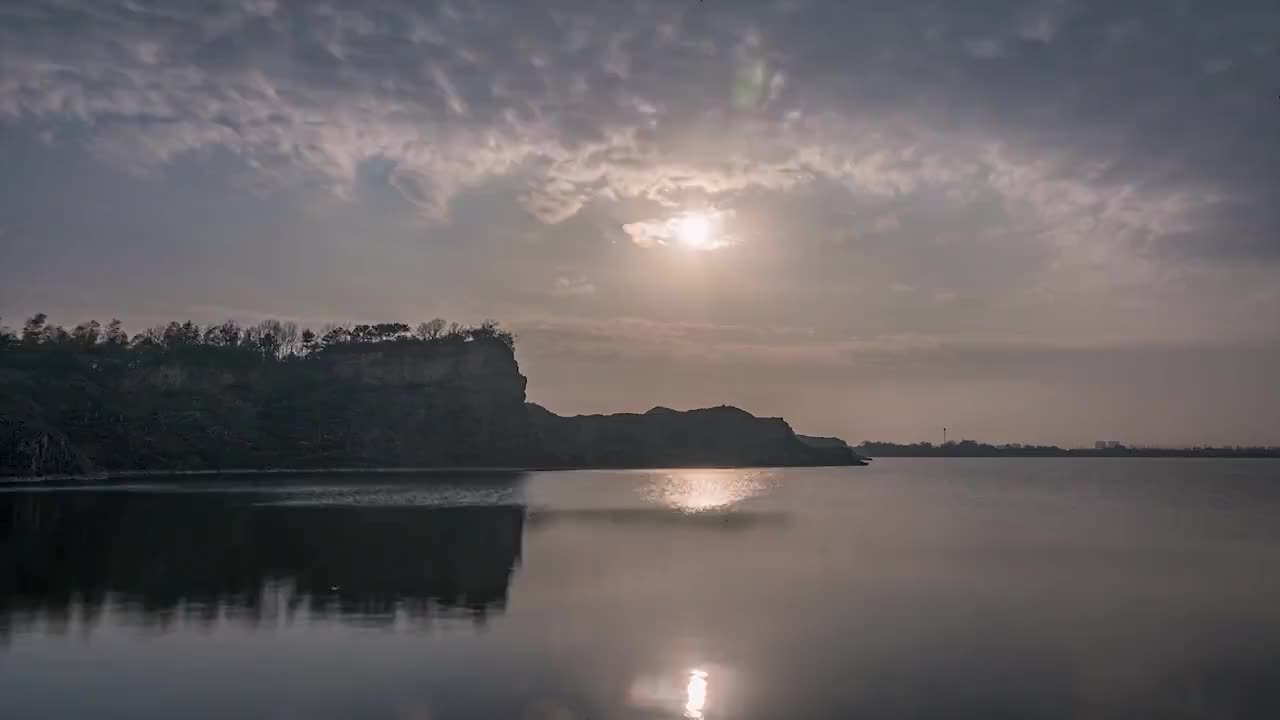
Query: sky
1026	220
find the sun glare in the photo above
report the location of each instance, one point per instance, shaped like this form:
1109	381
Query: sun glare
695	695
696	231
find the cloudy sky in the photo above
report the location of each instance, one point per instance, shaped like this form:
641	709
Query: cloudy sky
1028	220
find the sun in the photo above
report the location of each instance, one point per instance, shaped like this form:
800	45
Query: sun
695	230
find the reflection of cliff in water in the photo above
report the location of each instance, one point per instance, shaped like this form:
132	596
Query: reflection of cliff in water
209	554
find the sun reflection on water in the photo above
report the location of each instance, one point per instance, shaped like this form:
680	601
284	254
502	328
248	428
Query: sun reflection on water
695	694
694	491
675	693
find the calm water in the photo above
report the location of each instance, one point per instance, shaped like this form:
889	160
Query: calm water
1061	588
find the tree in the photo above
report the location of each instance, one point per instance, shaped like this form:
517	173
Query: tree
116	336
490	329
179	335
6	335
273	339
57	335
267	337
389	331
229	334
277	339
336	335
190	333
431	330
86	334
33	329
289	343
151	337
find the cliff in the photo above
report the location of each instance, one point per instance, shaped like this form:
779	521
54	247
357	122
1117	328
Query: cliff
720	436
407	404
445	402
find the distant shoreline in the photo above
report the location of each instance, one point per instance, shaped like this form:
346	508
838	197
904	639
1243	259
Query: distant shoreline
1078	454
1109	449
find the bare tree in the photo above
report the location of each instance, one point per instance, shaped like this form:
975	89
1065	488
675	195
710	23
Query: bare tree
431	330
270	337
289	342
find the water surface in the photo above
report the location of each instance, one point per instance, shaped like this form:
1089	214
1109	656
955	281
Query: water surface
930	588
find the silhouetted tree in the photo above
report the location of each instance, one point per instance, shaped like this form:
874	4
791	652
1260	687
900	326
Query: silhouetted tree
86	334
33	329
389	331
151	337
272	339
431	330
268	344
176	335
290	344
230	334
336	335
276	339
490	329
57	335
116	336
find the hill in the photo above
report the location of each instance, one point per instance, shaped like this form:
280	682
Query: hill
182	397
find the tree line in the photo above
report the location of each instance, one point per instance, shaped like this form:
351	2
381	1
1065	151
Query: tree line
970	448
270	339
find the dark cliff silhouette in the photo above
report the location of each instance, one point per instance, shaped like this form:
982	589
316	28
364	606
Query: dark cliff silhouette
237	549
668	438
185	397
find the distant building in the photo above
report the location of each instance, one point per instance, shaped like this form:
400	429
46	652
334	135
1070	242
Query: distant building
1113	444
1100	445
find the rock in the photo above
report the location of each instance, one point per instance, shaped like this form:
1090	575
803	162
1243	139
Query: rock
399	403
720	436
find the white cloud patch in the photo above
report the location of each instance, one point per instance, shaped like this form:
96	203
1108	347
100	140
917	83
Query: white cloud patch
572	286
701	230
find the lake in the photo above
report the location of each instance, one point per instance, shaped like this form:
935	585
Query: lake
912	588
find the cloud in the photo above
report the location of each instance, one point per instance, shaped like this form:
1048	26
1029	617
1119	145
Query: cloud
456	98
709	227
651	233
577	286
1053	147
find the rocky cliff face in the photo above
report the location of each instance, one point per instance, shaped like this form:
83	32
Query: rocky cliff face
378	404
452	405
719	436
